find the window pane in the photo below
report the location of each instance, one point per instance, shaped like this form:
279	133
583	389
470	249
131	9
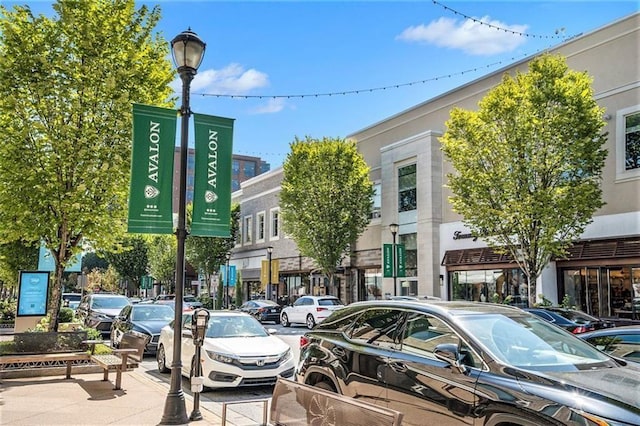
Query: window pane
632	141
407	195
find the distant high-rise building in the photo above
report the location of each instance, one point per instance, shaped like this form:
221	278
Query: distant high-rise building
243	167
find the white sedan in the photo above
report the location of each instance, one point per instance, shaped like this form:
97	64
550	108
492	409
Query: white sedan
237	351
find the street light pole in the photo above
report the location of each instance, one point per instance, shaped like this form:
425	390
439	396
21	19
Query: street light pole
394	230
269	289
188	51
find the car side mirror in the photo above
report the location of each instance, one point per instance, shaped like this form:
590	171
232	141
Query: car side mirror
448	352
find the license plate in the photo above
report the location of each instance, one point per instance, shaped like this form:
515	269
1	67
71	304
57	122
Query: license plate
272	311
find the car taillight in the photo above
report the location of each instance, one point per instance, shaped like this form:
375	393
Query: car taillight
582	329
319	309
262	310
304	341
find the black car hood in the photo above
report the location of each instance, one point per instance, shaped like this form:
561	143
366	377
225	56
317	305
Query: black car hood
596	391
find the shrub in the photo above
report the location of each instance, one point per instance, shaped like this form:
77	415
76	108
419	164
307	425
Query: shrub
65	315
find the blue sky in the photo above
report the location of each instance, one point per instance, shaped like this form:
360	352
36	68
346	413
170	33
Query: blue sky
268	53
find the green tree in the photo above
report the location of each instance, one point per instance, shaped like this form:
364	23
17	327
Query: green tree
326	199
66	88
162	252
130	260
528	163
16	256
206	254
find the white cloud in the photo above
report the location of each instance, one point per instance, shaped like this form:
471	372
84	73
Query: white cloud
470	36
273	105
231	80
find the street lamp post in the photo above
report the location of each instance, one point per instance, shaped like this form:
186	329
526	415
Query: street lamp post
394	230
269	289
188	51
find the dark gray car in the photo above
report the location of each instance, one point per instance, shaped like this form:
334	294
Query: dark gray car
446	363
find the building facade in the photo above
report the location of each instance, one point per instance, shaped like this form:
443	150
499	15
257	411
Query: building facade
442	258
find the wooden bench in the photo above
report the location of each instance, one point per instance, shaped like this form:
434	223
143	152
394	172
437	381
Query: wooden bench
126	357
30	351
297	404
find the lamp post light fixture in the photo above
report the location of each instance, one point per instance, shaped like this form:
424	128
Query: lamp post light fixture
269	289
188	51
394	230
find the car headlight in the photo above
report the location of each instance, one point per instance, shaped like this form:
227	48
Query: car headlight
593	420
220	357
286	355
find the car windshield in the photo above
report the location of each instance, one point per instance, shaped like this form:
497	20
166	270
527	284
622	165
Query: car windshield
109	302
529	342
152	313
189	299
329	302
235	326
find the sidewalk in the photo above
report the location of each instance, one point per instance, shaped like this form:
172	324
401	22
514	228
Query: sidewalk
86	400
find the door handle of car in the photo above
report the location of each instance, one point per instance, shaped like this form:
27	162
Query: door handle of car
398	367
339	352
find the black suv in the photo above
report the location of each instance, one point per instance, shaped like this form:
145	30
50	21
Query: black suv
97	310
447	363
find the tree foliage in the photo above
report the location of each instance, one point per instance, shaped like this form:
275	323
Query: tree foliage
16	256
67	83
326	199
206	254
131	260
528	163
162	252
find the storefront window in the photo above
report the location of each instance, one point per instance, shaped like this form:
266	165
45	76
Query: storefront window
373	284
490	285
410	242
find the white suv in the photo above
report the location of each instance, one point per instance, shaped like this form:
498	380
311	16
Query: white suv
310	310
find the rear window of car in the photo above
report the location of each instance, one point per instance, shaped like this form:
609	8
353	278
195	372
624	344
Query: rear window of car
329	302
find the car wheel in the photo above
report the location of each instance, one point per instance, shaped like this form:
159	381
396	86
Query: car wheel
285	320
310	322
162	361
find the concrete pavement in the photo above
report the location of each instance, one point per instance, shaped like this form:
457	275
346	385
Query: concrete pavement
87	400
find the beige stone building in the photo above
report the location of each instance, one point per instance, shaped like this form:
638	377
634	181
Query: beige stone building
408	170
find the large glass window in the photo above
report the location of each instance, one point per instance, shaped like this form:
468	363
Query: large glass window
260	227
373	284
632	141
377	201
248	223
407	196
275	224
490	285
249	169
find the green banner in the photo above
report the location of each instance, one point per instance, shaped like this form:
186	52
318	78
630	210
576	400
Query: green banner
387	261
151	189
212	176
400	256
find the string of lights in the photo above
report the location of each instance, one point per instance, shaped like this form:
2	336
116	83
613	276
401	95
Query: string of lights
495	27
374	89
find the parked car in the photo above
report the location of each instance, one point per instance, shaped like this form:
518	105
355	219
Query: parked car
142	318
263	310
71	300
467	363
623	342
188	302
309	310
574	321
237	351
97	310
